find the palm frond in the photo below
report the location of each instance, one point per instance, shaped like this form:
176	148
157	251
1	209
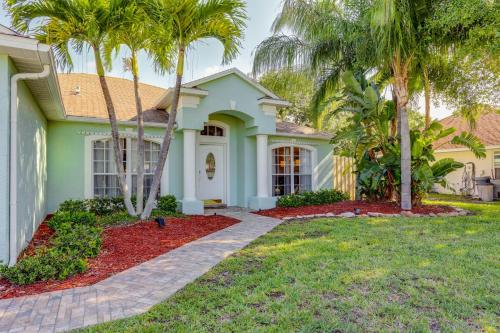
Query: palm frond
472	142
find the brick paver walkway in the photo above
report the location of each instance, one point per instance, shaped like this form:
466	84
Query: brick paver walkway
135	290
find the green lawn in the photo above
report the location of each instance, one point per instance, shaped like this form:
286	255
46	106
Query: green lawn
378	274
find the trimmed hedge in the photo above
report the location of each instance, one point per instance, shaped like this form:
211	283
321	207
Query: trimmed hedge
320	197
107	206
76	238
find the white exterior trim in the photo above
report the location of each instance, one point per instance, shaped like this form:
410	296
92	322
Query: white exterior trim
224	141
165	100
106	121
88	176
314	162
274	102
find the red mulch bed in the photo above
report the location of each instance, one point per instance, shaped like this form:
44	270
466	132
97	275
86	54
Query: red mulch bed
123	247
348	206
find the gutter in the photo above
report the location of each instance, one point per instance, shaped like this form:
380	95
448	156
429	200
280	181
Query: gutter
13	155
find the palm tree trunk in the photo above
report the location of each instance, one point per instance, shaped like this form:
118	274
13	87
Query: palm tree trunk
117	149
395	122
401	90
427	94
140	136
167	138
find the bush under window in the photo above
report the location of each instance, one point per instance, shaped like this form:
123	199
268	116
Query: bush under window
320	197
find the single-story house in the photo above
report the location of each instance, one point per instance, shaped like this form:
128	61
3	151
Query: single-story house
228	146
488	131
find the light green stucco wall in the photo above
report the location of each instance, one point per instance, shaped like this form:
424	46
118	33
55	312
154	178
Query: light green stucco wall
31	162
66	157
4	157
223	92
31	166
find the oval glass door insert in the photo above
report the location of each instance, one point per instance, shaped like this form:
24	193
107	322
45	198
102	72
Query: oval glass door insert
210	166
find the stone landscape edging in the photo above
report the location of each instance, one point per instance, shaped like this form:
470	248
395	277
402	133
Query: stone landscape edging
457	212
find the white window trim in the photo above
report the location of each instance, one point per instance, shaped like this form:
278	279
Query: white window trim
219	140
314	163
89	179
495	152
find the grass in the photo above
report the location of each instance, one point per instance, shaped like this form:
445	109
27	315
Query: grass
323	275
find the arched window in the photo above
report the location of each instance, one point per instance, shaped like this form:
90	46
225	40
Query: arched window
291	170
104	173
213	130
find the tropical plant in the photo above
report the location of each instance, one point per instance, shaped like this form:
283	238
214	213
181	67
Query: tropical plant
78	24
377	154
187	22
147	35
295	87
322	38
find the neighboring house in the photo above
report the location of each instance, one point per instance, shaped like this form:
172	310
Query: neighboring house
488	131
228	146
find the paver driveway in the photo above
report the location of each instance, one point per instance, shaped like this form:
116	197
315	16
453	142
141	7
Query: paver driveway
135	290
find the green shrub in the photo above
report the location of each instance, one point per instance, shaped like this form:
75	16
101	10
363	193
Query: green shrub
72	218
74	206
320	197
167	204
44	265
101	206
98	206
120	217
76	239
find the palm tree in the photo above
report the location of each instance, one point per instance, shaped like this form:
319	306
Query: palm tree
189	21
66	24
324	38
398	28
146	35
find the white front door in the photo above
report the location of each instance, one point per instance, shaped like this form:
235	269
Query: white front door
211	172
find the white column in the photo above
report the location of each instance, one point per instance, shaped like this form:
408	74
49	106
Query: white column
262	185
189	165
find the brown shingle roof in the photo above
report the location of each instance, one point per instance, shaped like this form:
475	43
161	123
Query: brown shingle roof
285	127
487	130
89	102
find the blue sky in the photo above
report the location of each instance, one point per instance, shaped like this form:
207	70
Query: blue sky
205	58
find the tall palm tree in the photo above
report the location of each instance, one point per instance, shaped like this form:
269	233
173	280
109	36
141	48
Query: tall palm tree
398	27
146	36
77	24
189	21
325	38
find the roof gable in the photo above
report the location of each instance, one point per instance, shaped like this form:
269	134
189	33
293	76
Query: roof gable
238	73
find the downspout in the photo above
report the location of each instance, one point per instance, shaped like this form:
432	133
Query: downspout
13	156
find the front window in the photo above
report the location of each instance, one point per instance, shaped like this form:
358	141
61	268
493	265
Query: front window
105	175
291	170
496	164
212	130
